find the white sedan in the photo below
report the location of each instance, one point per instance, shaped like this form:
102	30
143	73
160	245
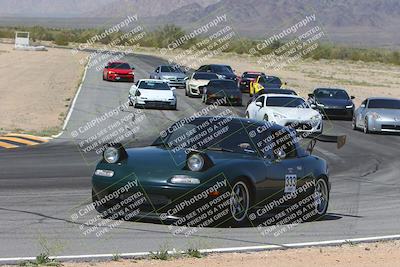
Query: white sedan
286	110
198	79
152	93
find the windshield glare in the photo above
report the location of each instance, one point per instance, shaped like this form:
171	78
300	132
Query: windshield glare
123	66
154	85
170	69
289	102
334	94
384	103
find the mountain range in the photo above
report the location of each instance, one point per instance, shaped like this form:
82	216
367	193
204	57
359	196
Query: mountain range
356	22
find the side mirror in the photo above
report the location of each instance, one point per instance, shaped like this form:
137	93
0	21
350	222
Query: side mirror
157	71
133	68
310	95
106	67
259	104
352	97
173	88
281	154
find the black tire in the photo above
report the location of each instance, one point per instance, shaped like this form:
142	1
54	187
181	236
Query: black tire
354	124
320	199
240	203
366	126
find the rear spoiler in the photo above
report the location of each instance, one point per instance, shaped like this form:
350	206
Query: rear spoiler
340	140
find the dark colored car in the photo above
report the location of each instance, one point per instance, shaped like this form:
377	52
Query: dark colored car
198	161
223	71
248	77
332	103
222	89
118	71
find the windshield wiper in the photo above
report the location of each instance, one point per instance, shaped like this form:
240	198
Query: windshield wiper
219	149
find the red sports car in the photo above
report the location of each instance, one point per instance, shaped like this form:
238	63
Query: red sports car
118	71
248	77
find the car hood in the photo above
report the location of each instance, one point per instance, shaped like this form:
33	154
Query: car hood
173	74
388	113
199	82
157	94
330	102
158	162
295	113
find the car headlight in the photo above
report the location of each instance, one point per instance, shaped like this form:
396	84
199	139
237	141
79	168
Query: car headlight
183	179
111	154
220	76
375	115
320	105
279	116
130	72
350	106
111	72
195	162
316	117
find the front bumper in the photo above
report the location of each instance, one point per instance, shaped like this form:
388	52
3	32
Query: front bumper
155	103
121	77
229	100
337	112
195	90
306	126
385	125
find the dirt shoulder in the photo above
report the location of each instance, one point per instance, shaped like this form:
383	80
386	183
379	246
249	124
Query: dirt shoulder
361	79
361	255
36	88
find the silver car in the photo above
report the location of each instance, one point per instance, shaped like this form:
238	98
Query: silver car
172	74
378	114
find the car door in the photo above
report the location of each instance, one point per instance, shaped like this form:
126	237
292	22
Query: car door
282	175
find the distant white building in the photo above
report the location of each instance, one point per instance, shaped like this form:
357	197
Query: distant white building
22	42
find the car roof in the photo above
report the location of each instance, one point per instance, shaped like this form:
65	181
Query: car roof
117	62
282	95
153	80
276	91
329	88
382	98
203	72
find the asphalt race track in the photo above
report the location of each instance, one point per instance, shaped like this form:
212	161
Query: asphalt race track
39	186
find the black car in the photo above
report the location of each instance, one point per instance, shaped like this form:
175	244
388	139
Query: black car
223	71
332	103
222	90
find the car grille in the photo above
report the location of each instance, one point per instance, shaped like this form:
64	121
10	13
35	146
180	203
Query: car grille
334	111
390	127
299	126
157	103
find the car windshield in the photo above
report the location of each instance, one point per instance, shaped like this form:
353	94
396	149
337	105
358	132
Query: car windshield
331	93
384	103
222	85
289	102
170	69
154	85
205	76
216	133
122	66
251	75
222	69
270	80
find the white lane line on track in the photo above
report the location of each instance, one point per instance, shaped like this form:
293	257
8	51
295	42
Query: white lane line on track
217	250
73	103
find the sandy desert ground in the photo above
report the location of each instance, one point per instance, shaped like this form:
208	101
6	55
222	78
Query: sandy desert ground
36	88
383	254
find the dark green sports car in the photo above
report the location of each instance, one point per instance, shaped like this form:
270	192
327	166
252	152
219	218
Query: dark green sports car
206	170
